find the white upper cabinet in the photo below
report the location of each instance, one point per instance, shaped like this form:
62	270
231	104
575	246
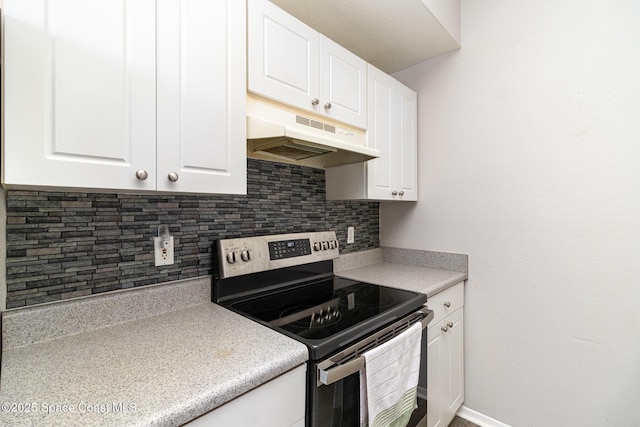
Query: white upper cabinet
85	88
391	35
201	96
290	62
79	81
383	127
283	56
343	84
392	129
406	146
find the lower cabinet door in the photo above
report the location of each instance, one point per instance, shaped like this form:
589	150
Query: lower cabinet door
455	381
278	403
436	355
445	371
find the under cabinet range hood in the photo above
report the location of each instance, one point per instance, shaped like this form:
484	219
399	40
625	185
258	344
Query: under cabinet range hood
282	134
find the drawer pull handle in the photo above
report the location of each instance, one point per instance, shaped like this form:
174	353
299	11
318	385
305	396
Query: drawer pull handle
444	329
450	324
447	304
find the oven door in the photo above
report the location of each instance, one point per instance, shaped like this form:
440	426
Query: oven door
334	383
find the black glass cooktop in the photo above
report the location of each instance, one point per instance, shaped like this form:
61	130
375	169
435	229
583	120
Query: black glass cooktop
330	312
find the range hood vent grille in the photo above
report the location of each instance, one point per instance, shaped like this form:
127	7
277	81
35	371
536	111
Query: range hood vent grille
305	121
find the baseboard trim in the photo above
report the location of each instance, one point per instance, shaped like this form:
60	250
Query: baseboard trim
478	418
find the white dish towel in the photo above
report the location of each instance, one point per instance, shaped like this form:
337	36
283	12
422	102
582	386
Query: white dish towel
388	385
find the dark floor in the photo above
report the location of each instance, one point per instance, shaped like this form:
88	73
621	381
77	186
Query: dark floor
459	422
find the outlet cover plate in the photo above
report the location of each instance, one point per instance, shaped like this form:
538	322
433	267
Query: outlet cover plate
350	235
163	255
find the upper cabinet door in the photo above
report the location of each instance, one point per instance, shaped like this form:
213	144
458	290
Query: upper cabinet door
407	145
291	63
381	131
343	84
79	93
201	96
392	129
283	56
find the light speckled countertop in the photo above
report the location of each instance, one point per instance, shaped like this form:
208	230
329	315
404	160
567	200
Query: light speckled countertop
164	370
414	270
427	280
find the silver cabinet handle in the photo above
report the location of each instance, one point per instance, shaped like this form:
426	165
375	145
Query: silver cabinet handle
142	174
450	324
447	304
315	101
444	329
173	177
401	193
327	106
394	193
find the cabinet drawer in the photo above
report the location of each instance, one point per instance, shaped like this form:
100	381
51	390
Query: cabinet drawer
446	302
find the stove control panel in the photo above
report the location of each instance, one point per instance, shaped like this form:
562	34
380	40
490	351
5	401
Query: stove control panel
261	253
289	248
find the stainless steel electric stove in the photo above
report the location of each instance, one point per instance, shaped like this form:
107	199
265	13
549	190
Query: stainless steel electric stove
286	282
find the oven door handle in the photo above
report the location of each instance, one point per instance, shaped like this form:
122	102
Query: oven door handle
331	370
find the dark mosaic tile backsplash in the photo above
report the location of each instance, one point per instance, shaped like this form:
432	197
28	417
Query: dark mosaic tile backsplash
62	245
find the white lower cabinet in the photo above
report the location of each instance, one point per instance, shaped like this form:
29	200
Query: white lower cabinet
278	403
445	356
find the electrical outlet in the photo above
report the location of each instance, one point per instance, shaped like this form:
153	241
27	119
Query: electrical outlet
163	250
350	235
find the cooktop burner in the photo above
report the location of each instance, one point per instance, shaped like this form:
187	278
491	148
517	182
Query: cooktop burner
322	309
309	317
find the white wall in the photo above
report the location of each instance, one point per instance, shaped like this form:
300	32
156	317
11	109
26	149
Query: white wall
529	154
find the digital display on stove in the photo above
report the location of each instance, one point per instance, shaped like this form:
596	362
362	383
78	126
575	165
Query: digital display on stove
289	248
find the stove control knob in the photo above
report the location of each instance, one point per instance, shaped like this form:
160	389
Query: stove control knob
317	246
325	246
245	255
231	257
337	245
